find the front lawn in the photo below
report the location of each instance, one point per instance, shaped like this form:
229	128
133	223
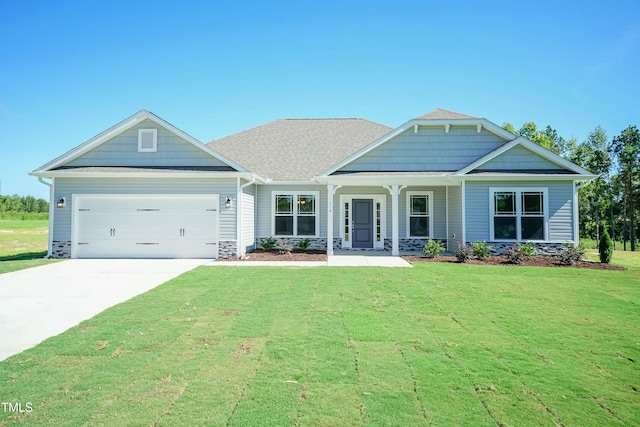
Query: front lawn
23	244
438	344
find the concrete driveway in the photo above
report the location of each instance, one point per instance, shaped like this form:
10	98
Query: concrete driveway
41	302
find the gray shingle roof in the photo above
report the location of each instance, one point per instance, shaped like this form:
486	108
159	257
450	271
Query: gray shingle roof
442	114
298	149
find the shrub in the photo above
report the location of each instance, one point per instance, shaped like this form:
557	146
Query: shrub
268	243
432	248
464	253
481	250
571	254
284	247
304	244
520	253
605	247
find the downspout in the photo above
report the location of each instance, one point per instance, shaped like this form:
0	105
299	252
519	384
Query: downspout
241	252
51	211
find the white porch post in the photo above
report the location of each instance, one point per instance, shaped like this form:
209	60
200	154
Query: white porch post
395	190
330	192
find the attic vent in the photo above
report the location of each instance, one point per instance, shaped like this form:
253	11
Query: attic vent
147	140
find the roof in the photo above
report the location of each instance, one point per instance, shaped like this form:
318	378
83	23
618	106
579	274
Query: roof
298	149
144	169
442	114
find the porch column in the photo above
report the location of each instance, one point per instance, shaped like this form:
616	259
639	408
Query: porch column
395	190
331	191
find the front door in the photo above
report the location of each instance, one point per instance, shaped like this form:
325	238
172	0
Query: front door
362	223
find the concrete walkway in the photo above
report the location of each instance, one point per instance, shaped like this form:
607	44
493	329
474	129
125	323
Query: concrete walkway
333	261
367	261
41	302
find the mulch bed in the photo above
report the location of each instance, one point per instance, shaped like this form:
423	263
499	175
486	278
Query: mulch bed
316	255
539	261
295	255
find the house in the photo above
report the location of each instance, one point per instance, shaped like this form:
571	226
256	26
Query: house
145	188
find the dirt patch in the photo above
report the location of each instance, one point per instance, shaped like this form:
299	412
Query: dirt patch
260	255
539	261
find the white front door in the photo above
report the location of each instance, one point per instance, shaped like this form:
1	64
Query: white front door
123	226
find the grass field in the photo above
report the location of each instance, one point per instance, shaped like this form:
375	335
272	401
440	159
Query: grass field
23	244
439	344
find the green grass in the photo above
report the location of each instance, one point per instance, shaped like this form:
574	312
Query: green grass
439	344
23	244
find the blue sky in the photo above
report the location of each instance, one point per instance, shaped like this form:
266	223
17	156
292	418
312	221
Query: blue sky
71	69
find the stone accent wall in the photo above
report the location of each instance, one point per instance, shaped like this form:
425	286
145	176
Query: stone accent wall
227	249
319	243
544	249
61	249
415	245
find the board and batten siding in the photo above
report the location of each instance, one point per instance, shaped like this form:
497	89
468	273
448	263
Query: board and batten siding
122	150
560	213
455	218
431	149
66	187
264	208
519	158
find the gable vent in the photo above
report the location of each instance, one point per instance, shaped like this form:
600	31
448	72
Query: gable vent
147	140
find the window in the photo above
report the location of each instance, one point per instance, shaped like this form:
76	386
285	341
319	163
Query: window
419	214
295	214
518	214
346	221
147	140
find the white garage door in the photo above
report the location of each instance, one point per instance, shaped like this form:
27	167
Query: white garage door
145	226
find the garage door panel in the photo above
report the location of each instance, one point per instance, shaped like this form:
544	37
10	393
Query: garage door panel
147	227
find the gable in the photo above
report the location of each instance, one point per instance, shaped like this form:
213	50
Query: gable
428	148
165	147
520	158
122	150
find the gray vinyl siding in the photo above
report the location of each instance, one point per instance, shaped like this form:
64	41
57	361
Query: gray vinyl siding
431	149
248	217
122	150
560	213
67	187
264	208
455	218
519	158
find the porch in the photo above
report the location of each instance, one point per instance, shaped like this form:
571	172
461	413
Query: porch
383	220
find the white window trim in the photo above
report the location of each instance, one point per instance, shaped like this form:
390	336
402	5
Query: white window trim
155	141
295	195
377	198
429	195
519	191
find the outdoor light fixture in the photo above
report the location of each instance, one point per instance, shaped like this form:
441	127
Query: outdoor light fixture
227	204
62	202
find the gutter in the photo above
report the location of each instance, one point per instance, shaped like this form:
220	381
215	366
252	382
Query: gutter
51	211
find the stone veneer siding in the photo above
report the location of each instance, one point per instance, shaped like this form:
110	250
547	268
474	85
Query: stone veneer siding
61	249
227	249
544	249
404	245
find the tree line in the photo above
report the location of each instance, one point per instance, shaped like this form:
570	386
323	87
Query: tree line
23	204
612	199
